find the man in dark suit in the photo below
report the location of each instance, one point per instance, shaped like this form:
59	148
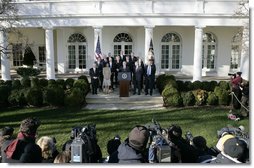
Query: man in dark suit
118	64
137	78
94	74
113	70
150	71
100	63
124	68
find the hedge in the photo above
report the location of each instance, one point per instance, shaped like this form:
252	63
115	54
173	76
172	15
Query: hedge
188	98
34	97
74	98
54	96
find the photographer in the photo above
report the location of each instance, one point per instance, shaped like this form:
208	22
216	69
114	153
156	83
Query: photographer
182	151
133	149
236	81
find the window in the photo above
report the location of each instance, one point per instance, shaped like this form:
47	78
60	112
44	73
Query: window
17	54
122	42
42	55
171	51
235	52
77	51
209	51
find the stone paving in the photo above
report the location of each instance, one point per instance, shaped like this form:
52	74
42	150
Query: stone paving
112	101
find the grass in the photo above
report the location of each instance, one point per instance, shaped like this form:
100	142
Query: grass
204	121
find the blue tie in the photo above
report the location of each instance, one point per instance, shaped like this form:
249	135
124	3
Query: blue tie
149	70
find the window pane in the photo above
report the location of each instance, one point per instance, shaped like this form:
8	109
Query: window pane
82	57
17	55
72	59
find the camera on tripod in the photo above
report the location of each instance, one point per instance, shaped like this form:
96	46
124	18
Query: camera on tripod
159	149
83	145
232	74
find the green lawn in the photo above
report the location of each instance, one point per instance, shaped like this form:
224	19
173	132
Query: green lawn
204	121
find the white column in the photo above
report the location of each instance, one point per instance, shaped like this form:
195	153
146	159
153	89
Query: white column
97	32
245	58
148	37
61	52
50	60
197	65
5	61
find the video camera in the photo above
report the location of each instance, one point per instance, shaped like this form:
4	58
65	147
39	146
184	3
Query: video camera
159	148
232	74
84	144
236	131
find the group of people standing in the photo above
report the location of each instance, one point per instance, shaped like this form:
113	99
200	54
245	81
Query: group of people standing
104	73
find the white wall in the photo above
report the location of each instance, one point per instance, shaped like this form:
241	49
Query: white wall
36	37
224	37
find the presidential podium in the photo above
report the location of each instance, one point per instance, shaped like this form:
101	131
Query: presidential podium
124	79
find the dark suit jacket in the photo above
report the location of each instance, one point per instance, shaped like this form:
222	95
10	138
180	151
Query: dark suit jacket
138	74
127	69
153	70
94	74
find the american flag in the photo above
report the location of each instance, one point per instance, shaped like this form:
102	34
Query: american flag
98	49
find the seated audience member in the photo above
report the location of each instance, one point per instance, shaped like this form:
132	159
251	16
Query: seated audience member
182	151
48	149
234	151
113	145
133	149
63	157
203	152
6	136
24	149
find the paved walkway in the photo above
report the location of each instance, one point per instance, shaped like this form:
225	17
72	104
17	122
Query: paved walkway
112	101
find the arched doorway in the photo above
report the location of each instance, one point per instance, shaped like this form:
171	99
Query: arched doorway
122	42
77	52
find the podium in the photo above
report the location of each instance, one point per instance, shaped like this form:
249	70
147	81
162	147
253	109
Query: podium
124	79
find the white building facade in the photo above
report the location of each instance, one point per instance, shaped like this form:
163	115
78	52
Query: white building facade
190	37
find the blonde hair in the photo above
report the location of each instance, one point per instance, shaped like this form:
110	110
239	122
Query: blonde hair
63	157
47	146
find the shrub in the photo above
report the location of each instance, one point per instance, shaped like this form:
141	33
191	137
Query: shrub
27	72
1	82
26	82
61	83
175	100
4	94
171	96
74	98
188	98
188	85
84	77
16	84
8	83
206	86
169	90
51	82
69	83
34	97
35	82
54	96
43	82
197	85
163	80
83	85
200	96
213	84
180	85
18	97
224	85
223	95
212	99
